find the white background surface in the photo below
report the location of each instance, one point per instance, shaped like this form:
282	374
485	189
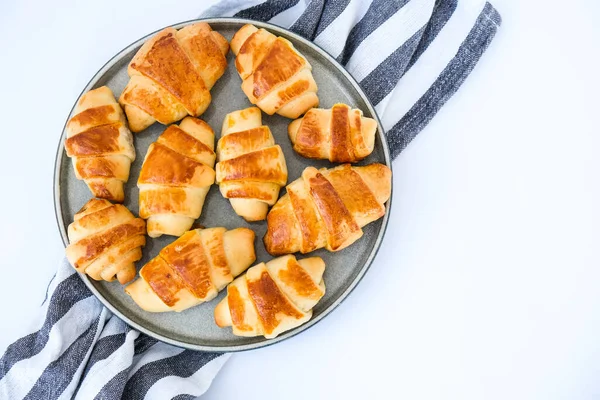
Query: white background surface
487	285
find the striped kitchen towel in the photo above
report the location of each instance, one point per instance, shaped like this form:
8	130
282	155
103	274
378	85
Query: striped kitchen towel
78	349
409	56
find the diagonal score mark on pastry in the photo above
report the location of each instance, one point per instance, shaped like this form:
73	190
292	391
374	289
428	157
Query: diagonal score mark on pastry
176	176
193	269
339	134
251	168
105	241
172	74
272	298
100	145
327	208
275	76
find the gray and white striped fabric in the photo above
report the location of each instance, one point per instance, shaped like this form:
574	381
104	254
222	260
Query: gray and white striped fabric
409	56
78	349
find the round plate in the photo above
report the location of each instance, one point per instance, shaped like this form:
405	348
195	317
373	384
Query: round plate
195	328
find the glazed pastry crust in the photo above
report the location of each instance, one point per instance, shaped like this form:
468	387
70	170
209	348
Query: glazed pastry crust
172	74
193	269
275	76
251	168
327	208
100	145
272	298
176	176
339	134
105	241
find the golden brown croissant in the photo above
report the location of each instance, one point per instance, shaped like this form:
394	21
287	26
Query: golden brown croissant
100	144
327	208
276	77
106	240
193	269
176	176
272	298
172	74
251	168
340	134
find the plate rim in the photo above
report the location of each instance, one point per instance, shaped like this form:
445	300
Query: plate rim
314	320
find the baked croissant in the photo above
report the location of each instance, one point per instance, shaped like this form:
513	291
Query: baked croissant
176	176
327	208
105	241
100	144
340	134
193	269
276	77
171	75
272	298
251	168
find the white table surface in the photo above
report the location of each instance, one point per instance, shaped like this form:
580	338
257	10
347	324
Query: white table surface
487	283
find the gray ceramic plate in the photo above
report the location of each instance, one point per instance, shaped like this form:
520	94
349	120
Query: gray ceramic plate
195	328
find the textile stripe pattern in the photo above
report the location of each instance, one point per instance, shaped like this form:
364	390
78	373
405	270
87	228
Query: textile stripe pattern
409	56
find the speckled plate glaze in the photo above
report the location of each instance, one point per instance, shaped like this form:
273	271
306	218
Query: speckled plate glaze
195	328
